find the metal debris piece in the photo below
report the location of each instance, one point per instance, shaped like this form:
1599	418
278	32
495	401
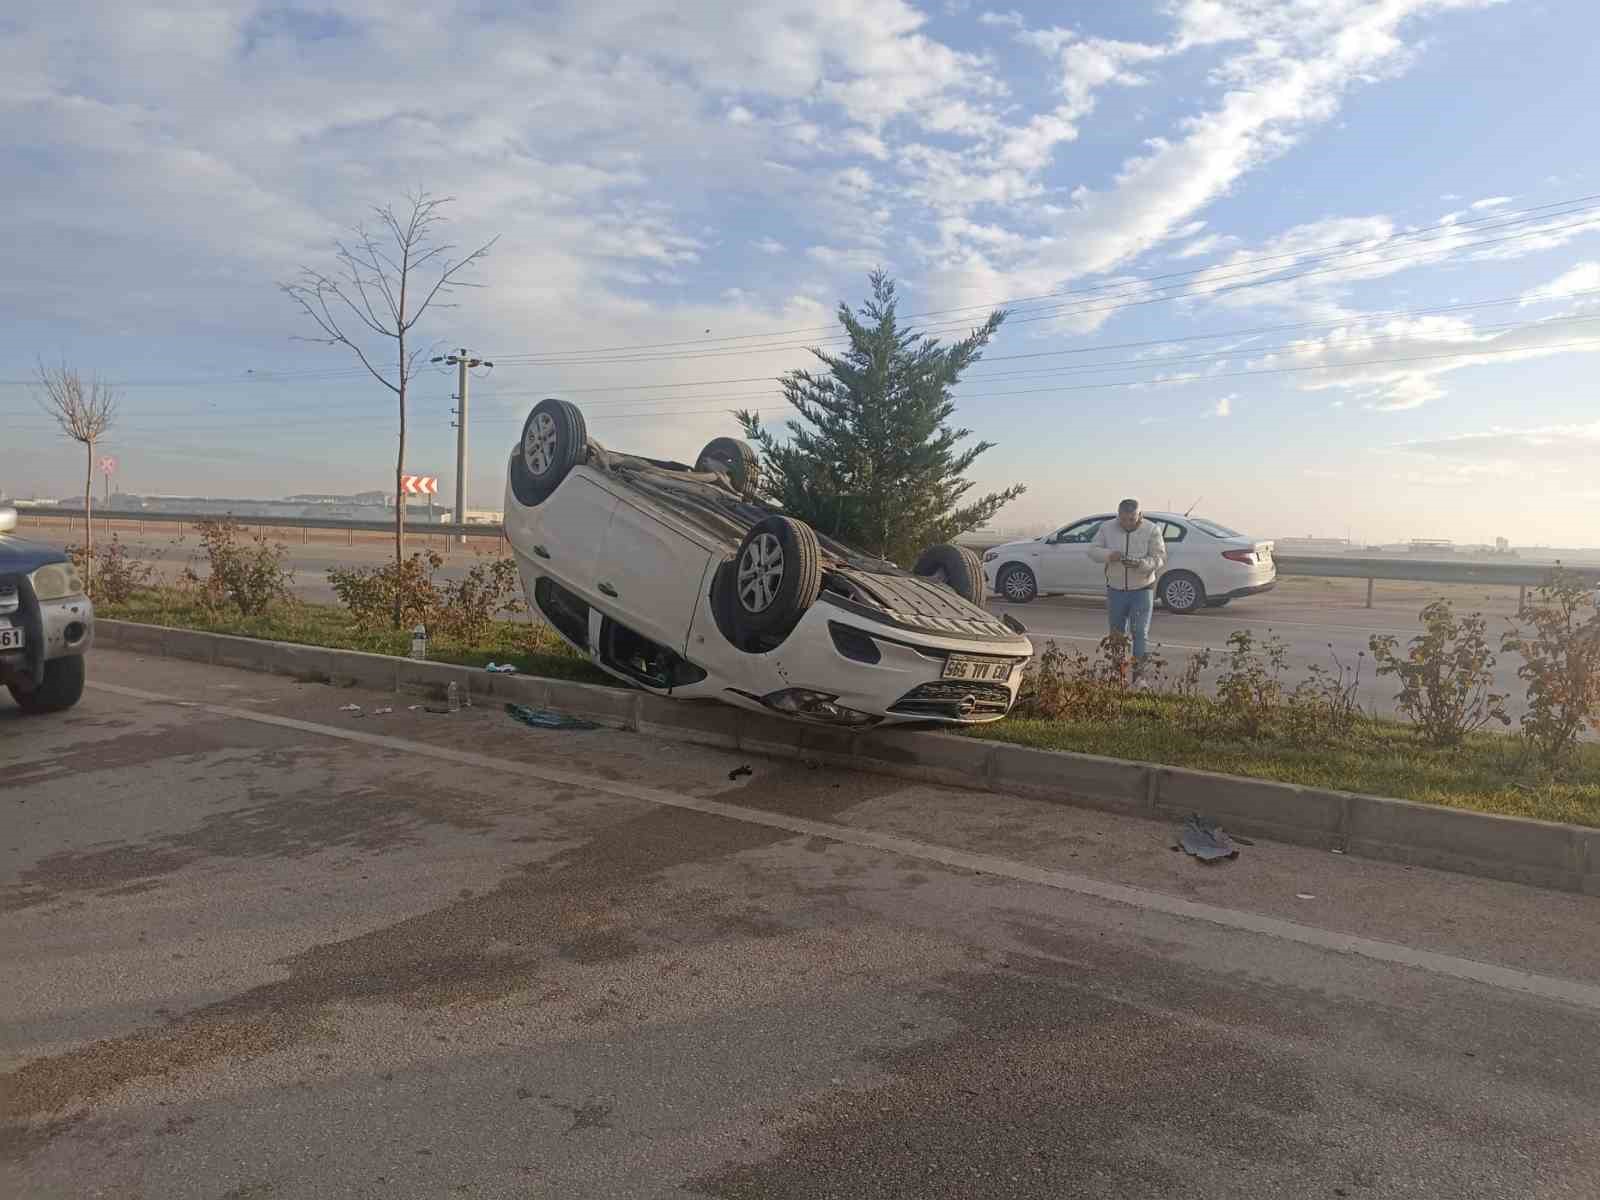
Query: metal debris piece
350	708
544	718
1206	840
740	772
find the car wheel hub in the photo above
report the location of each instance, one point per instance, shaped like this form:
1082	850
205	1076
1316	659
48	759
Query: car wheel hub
1181	594
539	447
1017	586
760	573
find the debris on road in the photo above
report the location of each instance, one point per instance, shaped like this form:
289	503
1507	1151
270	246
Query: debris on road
1206	840
544	718
350	708
1304	896
378	712
740	772
500	669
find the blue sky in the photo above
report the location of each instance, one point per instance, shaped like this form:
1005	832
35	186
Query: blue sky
1331	265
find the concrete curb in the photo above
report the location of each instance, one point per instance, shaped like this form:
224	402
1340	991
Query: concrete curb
1541	853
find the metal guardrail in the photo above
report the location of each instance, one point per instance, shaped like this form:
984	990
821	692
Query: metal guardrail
1429	570
141	517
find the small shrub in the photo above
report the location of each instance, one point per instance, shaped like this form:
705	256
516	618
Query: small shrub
374	595
117	575
1250	692
1326	705
248	573
1445	674
1561	666
467	609
1069	685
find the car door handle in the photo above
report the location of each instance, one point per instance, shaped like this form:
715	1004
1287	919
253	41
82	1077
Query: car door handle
608	590
541	552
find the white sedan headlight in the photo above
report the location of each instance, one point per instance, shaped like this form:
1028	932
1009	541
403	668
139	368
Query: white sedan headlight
990	555
56	581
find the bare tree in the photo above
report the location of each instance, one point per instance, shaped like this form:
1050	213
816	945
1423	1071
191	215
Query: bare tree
85	409
372	293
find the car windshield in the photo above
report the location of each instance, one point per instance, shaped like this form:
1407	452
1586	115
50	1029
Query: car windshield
1211	527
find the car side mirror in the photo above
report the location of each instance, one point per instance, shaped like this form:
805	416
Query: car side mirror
8	518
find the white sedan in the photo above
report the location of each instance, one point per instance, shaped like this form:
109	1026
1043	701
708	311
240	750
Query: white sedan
1207	564
677	580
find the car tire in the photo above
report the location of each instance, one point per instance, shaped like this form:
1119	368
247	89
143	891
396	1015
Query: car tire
1017	584
777	574
958	568
1219	601
735	459
554	440
1182	592
61	689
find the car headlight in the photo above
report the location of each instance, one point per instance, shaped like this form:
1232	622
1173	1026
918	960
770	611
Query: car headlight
990	555
56	581
816	706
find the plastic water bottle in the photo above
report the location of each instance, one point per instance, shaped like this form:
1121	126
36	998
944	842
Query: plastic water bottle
452	696
419	642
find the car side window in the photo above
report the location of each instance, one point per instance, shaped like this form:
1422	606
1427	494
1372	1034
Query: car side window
1171	531
1081	533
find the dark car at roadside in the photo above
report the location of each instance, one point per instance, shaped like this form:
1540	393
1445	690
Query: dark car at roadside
46	622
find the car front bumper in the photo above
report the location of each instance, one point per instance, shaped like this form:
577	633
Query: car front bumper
53	629
883	672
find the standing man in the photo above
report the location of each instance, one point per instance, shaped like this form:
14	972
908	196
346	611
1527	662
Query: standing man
1133	552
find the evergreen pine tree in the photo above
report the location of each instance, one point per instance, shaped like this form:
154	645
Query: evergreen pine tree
873	461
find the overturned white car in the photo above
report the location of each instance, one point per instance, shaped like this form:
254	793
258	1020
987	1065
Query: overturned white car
675	579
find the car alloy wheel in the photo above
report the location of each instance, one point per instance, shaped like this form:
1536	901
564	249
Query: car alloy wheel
539	447
1018	585
1182	595
760	573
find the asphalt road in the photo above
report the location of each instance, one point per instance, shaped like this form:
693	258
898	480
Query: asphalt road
256	946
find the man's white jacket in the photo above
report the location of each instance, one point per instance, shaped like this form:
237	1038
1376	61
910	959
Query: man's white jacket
1143	549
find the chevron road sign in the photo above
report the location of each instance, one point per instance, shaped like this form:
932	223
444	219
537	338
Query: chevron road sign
419	485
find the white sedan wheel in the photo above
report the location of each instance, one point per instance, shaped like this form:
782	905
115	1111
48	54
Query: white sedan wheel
760	574
539	447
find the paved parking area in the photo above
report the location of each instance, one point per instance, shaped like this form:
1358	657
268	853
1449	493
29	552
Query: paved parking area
257	946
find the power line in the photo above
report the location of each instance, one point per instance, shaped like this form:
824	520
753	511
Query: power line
1350	248
1356	364
1145	363
1033	316
1469	223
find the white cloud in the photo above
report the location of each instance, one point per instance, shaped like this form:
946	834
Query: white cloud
768	245
1541	443
1398	364
1004	20
1224	406
1585	277
1209	244
1490	202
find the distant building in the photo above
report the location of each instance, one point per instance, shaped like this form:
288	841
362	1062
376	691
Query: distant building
1313	545
1431	546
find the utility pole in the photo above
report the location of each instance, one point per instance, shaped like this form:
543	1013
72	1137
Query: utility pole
463	363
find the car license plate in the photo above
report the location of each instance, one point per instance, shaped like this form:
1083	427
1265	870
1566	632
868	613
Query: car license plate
11	639
960	666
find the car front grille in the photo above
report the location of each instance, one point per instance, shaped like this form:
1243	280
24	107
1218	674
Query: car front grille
953	700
